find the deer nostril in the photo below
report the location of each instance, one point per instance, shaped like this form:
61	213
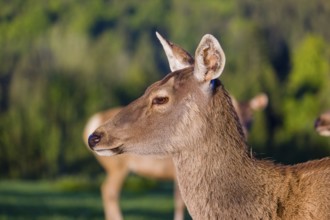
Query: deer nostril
94	139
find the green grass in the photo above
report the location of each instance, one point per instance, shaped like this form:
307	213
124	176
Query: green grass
50	200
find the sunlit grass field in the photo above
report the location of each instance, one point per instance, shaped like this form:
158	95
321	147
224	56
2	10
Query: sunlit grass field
71	200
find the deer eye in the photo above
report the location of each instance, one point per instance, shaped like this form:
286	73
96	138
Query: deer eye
160	100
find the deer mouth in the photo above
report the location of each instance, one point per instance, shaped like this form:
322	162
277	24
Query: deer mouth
323	130
109	152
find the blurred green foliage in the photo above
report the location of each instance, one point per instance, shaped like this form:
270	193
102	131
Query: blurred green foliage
61	61
69	198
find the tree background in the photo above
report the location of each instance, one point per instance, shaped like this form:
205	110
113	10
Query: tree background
63	60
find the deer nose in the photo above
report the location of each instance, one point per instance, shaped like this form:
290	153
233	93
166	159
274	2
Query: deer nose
94	139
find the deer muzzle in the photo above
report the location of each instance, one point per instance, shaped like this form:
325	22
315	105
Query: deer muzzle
104	145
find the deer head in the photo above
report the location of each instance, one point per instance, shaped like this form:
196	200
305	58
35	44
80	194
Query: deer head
157	122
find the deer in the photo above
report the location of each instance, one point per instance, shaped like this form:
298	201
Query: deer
117	168
189	116
322	124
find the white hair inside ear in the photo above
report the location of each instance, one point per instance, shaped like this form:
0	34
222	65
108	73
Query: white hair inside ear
209	59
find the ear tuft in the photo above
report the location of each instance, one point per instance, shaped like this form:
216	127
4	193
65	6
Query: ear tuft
177	57
259	102
210	59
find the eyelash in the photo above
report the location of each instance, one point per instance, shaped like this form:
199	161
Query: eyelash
160	100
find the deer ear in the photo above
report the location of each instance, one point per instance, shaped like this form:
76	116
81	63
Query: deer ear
259	102
177	57
209	59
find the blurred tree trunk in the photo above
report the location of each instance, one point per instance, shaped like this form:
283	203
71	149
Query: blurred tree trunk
6	76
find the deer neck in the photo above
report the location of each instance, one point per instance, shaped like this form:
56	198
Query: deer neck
216	176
